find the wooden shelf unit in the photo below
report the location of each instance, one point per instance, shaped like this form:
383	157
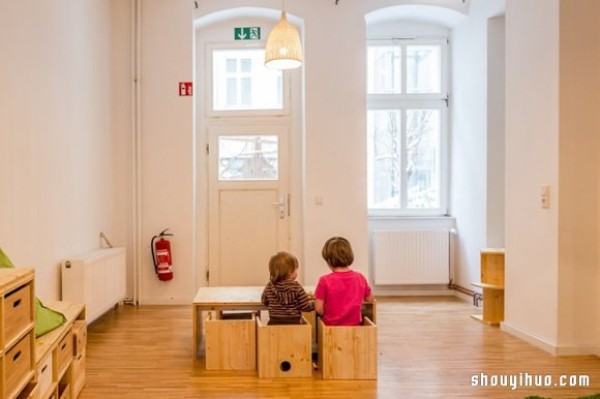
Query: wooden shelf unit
492	286
49	367
17	333
60	354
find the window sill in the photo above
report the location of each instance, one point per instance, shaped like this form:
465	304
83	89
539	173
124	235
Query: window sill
411	222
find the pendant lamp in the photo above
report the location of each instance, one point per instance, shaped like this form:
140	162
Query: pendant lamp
284	50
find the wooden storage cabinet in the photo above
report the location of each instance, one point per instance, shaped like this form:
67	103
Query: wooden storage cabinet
49	367
60	346
492	286
17	336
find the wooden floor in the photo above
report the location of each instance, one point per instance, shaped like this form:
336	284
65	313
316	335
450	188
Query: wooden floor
428	348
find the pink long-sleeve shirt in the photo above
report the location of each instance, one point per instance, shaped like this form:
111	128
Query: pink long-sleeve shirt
342	294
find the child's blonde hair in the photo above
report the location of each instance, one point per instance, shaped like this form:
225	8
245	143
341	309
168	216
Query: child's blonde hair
281	265
337	252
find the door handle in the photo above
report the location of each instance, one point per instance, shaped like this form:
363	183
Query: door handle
281	207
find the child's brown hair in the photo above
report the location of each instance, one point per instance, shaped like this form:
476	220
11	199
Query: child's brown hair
281	265
337	252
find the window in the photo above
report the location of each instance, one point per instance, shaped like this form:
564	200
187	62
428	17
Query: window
248	157
407	127
241	82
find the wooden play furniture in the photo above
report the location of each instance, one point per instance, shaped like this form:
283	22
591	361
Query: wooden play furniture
284	350
60	354
49	367
230	343
17	334
492	285
236	298
348	353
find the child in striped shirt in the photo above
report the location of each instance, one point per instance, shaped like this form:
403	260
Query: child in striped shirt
284	296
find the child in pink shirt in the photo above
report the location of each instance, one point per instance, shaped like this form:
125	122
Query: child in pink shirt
340	294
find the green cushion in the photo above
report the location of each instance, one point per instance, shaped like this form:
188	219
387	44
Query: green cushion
5	263
46	319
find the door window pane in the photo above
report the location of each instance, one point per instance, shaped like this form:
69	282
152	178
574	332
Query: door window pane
423	69
242	82
248	157
423	158
384	70
384	155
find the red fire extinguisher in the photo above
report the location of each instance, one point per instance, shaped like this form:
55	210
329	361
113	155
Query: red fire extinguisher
161	256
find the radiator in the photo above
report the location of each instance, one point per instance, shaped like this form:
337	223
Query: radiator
411	257
96	278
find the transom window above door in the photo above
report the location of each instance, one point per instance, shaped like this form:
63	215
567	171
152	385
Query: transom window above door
241	84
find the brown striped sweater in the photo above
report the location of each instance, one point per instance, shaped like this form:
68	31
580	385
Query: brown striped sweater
286	300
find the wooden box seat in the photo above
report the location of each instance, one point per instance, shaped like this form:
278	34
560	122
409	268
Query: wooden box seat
231	342
348	353
284	350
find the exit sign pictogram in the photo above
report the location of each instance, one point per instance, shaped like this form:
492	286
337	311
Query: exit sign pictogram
247	33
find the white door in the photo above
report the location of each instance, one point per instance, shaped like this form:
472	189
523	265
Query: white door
248	202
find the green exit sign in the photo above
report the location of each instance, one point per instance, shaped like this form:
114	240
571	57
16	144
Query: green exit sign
247	33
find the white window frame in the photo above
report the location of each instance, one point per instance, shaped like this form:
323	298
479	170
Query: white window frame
211	112
405	101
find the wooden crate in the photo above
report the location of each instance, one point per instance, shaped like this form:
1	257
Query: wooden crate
78	373
18	364
44	375
284	350
348	353
64	353
230	343
79	336
17	312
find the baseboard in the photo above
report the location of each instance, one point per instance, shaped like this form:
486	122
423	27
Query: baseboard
532	339
165	301
553	349
578	350
412	290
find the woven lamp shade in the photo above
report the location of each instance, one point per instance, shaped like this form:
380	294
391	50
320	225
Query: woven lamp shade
284	50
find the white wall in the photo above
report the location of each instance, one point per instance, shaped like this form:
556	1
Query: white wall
496	81
469	147
167	147
553	268
532	148
579	157
56	134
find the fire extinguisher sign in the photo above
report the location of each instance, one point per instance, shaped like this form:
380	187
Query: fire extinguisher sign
186	89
